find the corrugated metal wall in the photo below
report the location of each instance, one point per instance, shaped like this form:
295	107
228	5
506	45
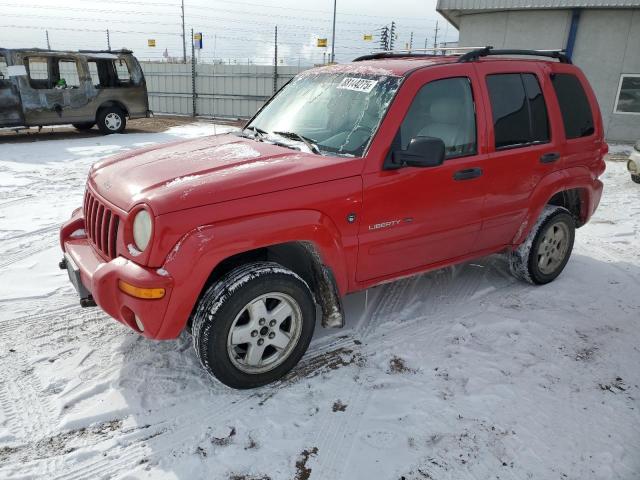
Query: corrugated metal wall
235	91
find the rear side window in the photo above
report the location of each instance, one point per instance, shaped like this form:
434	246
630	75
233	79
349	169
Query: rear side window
122	71
519	111
574	105
109	73
68	74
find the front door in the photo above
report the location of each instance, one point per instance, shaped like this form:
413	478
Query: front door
416	217
10	111
54	92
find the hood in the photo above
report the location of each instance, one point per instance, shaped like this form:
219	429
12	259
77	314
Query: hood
192	173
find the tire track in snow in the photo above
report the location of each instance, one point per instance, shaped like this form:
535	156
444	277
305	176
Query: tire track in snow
335	441
27	252
129	454
337	432
22	394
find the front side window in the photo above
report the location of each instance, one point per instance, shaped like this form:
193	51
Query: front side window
574	105
38	69
338	112
4	73
519	110
628	99
442	109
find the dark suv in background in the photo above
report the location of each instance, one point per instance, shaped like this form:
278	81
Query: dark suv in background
85	88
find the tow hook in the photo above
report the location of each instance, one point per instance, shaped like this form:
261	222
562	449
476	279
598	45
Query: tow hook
88	302
63	264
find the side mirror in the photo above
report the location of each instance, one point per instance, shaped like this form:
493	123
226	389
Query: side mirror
422	152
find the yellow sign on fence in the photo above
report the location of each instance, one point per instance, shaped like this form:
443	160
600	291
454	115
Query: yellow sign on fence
151	42
322	42
368	37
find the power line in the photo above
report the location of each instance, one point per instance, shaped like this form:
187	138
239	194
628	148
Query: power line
31	27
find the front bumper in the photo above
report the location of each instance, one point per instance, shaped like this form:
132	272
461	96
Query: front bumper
99	278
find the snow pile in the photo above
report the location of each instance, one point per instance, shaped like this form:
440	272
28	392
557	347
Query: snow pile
463	373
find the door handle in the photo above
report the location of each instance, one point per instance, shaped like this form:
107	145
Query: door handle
549	157
467	174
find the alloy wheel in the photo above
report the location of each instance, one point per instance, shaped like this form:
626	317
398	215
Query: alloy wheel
264	333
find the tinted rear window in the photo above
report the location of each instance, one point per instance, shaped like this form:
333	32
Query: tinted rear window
519	112
574	105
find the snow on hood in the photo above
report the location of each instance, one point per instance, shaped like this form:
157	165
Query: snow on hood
203	171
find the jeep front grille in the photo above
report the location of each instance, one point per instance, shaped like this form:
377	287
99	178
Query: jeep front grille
101	225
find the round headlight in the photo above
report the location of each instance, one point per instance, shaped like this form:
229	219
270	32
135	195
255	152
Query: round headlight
142	230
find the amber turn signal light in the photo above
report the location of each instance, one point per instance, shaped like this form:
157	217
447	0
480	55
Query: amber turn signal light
138	292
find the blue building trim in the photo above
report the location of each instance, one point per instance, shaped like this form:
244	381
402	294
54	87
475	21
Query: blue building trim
573	32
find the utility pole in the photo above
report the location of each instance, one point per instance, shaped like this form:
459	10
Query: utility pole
435	37
384	38
426	42
392	35
184	40
48	44
275	62
411	42
193	75
333	34
108	41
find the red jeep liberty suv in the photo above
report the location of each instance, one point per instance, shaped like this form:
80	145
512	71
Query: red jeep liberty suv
350	176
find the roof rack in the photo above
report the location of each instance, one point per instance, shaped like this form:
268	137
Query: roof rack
123	51
467	54
417	52
490	51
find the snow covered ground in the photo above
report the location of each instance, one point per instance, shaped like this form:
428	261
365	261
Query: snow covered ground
464	373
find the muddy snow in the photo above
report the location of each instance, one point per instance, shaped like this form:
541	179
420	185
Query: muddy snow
463	373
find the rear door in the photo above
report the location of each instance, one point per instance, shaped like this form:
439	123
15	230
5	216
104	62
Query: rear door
10	110
522	146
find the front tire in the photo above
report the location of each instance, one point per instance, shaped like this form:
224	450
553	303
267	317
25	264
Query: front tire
253	326
547	248
111	120
635	178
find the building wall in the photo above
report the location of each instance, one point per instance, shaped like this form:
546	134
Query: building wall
607	45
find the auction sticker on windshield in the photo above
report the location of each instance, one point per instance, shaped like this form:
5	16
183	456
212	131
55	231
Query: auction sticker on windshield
358	84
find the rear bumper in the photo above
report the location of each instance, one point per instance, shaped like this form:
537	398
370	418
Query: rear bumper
594	198
100	278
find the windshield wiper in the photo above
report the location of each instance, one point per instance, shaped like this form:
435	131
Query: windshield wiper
309	142
257	132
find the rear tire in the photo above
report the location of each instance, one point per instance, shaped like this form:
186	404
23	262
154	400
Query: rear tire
253	326
635	178
111	120
83	127
547	248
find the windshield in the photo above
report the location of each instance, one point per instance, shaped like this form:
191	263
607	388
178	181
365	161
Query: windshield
335	113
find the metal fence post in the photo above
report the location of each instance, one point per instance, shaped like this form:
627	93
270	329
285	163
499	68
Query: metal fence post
193	77
275	63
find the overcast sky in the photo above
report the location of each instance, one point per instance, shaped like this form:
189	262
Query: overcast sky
238	30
